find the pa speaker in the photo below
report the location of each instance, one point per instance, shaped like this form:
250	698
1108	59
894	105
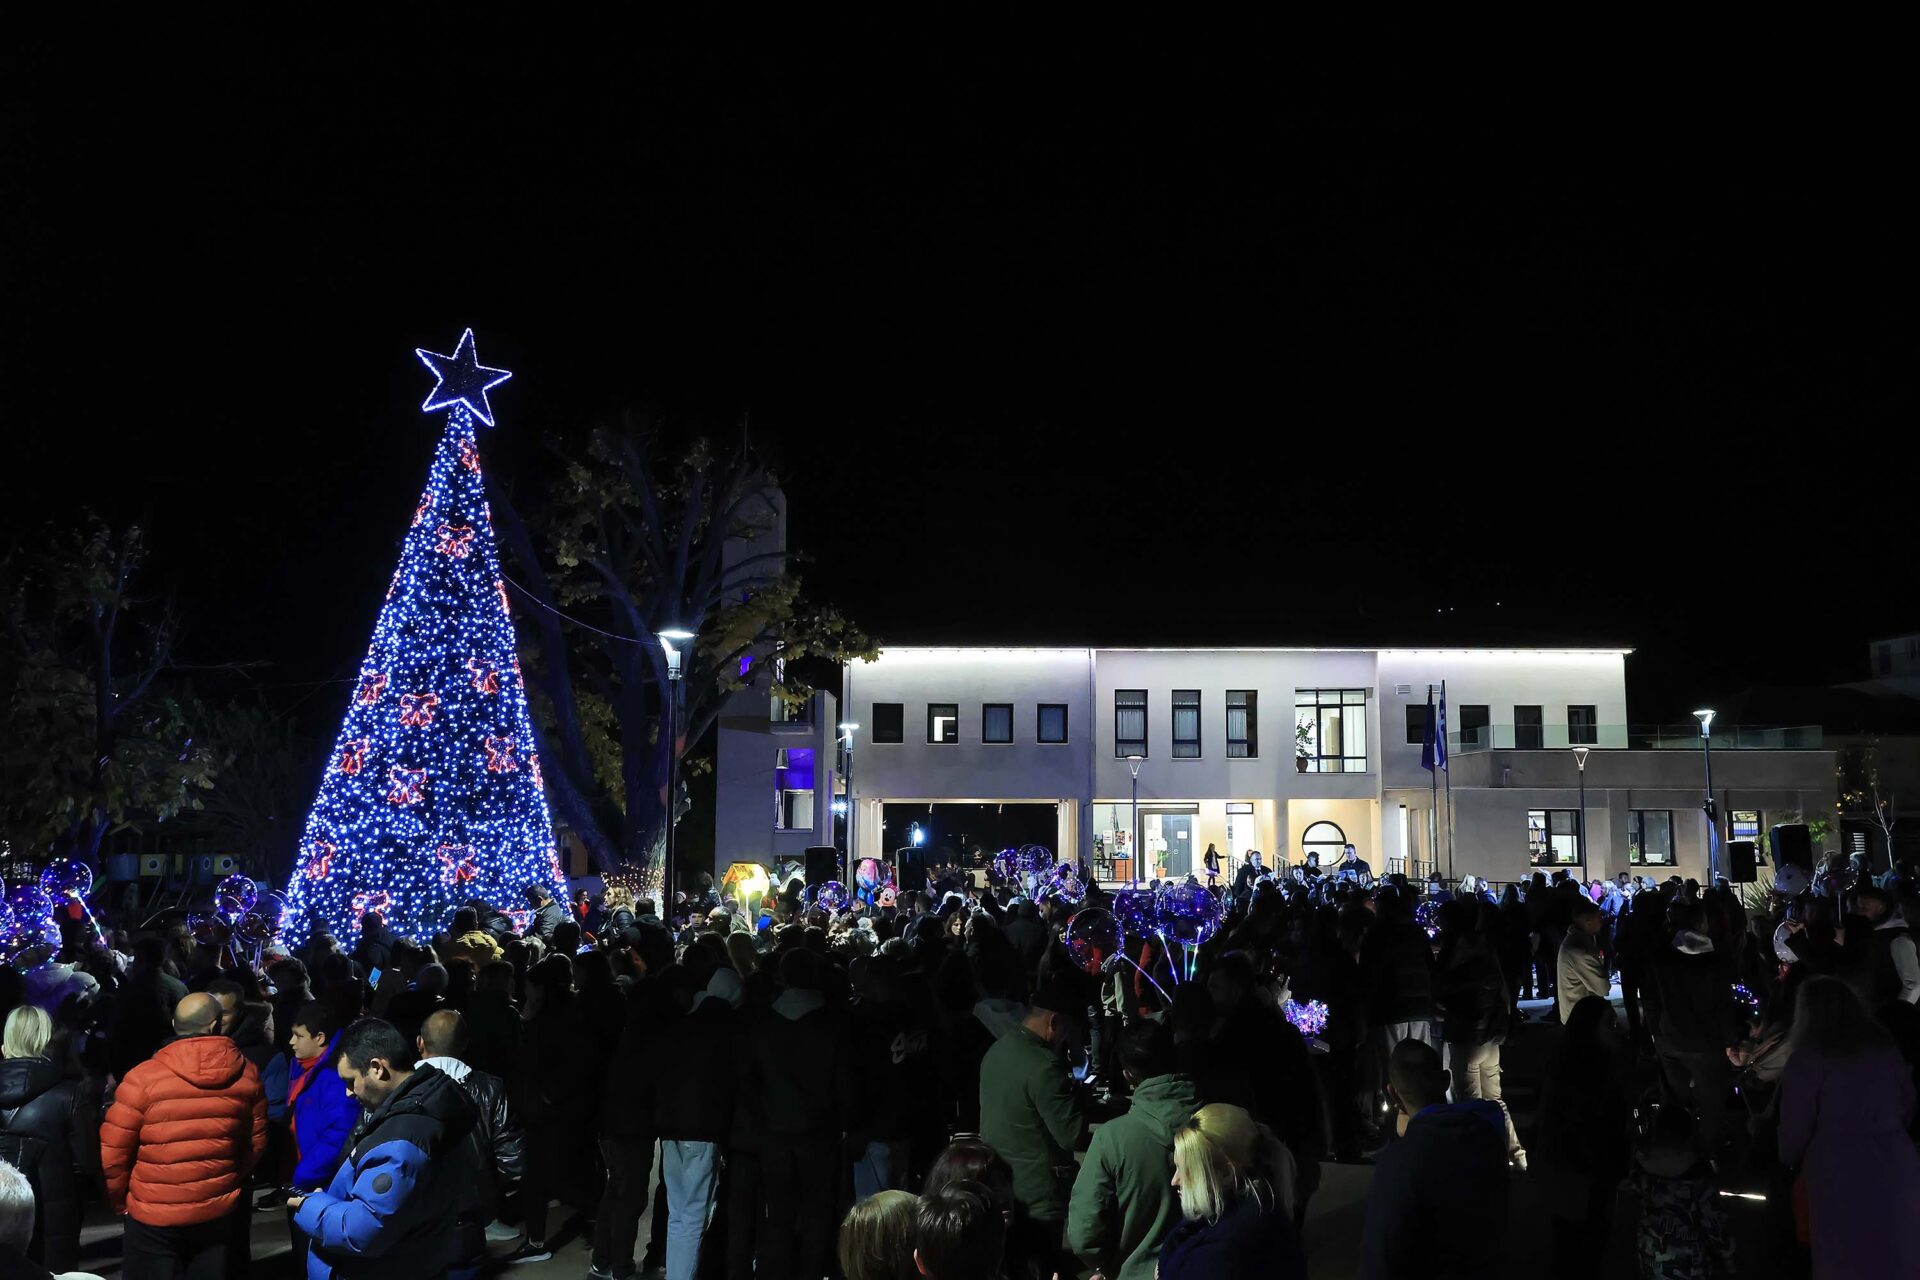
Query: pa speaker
910	869
823	864
1792	846
1741	864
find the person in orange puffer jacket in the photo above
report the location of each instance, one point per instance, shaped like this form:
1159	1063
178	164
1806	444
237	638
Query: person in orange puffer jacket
185	1129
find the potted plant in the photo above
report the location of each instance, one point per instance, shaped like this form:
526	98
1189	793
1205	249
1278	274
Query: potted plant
1302	745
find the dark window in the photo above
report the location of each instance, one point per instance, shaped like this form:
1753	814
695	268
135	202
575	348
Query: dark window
1186	724
889	722
1052	725
996	722
943	722
1243	724
1528	732
1583	727
1129	723
1473	725
1416	724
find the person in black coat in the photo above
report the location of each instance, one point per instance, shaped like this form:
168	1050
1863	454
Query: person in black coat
557	1070
376	947
497	923
548	915
49	1130
1471	994
497	1142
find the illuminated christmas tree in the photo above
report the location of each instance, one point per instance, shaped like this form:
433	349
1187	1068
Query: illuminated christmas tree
432	795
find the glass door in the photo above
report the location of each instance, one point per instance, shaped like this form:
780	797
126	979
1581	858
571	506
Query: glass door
1166	837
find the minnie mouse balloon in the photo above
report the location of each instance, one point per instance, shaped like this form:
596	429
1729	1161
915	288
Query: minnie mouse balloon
65	877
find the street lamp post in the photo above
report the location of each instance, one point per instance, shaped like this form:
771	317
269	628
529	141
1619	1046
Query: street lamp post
1133	765
1580	758
1705	717
671	638
847	729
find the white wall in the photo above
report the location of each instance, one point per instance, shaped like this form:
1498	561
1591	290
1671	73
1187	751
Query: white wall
1498	680
969	769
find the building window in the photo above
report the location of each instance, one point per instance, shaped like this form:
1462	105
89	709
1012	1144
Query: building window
1416	724
996	722
1052	726
1186	724
1650	837
1322	844
943	722
1529	734
1745	825
1473	725
1243	724
1330	729
1583	727
793	789
889	722
1129	722
1553	837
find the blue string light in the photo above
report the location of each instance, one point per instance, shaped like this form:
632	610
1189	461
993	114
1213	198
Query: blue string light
432	794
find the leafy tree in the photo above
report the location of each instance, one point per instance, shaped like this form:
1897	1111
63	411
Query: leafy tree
264	784
93	745
637	543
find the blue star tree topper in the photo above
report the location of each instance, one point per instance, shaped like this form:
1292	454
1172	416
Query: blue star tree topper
433	793
461	379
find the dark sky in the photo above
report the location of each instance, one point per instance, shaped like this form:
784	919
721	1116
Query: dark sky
1053	346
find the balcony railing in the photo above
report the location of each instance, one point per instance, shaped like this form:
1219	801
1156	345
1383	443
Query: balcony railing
1635	737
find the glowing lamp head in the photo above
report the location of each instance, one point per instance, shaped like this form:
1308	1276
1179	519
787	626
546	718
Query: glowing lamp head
1705	717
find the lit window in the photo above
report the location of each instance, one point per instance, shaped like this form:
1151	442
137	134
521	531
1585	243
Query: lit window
943	722
1129	722
1186	724
1650	837
1330	729
1052	722
1243	724
1553	837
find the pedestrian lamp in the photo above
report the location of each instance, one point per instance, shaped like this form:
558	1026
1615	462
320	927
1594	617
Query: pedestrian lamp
676	641
1705	717
847	729
915	836
1133	767
1580	758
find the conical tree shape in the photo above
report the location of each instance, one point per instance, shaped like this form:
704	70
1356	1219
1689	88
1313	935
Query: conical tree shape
432	795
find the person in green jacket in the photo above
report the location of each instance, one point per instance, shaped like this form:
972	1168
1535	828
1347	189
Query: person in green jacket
1124	1202
1028	1110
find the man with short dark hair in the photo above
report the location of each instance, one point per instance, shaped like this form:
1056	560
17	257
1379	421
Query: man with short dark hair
1448	1167
958	1234
548	915
1029	1112
394	1204
1123	1200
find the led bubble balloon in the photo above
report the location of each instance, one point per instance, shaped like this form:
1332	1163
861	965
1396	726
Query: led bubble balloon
830	896
256	929
1133	911
1188	913
235	895
1063	883
66	876
1092	936
30	904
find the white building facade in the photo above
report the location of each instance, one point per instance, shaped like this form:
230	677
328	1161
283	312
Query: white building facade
1291	751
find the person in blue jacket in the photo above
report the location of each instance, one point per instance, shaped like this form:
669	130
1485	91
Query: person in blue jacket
323	1112
395	1201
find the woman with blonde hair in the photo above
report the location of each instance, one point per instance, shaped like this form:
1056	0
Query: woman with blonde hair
876	1237
1235	1181
49	1130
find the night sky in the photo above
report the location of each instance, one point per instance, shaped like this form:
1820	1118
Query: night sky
1056	348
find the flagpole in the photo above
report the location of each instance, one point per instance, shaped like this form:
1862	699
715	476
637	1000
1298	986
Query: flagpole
1433	777
1447	766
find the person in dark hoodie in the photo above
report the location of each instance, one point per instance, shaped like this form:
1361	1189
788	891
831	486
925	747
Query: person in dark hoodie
799	1068
1448	1167
393	1205
688	1076
1694	1022
48	1130
1474	1004
1396	973
375	949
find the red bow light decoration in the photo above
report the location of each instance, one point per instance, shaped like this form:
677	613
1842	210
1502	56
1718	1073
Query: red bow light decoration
459	864
485	680
375	900
353	756
456	540
416	709
324	851
372	685
407	785
420	512
533	767
500	757
469	456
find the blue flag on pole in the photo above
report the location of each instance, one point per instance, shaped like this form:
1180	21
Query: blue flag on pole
1433	751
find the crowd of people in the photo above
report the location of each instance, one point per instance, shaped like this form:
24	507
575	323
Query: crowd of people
938	1084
